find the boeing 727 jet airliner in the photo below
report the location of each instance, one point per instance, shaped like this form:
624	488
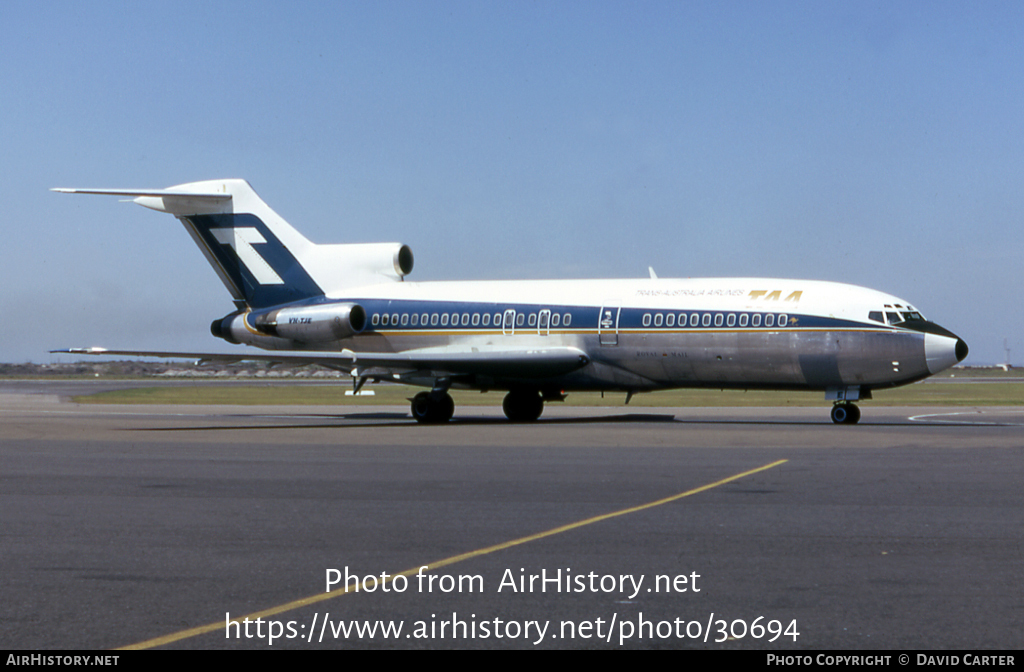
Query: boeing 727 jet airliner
348	307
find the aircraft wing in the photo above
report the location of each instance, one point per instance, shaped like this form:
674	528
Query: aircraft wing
487	361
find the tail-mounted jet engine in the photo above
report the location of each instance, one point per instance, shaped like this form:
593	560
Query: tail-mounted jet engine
303	324
313	324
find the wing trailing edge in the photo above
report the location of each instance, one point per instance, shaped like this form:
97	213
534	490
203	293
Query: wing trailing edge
533	363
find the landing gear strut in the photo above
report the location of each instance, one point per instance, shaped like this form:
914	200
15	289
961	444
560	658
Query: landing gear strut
433	407
845	413
522	405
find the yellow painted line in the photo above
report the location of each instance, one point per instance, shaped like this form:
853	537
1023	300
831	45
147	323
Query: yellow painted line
320	597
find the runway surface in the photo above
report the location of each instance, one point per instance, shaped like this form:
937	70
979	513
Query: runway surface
125	525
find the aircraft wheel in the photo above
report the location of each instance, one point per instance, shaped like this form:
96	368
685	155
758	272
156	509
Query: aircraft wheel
421	407
445	408
430	409
845	414
522	406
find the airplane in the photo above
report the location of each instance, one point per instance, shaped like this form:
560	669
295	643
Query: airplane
349	307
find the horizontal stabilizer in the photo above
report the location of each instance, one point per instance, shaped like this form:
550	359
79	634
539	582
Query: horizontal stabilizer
186	199
136	193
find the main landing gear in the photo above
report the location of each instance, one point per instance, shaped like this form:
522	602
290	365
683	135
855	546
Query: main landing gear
845	413
433	407
522	405
437	406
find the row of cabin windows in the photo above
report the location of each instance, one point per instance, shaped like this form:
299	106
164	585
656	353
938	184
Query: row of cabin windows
719	319
547	318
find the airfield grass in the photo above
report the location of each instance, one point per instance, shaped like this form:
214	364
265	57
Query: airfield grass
203	393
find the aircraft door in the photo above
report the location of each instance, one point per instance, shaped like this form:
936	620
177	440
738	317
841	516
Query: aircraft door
544	322
508	323
608	326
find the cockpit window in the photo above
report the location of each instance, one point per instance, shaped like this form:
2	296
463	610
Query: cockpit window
894	318
912	316
876	315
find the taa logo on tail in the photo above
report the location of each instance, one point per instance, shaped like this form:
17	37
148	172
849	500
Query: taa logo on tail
241	240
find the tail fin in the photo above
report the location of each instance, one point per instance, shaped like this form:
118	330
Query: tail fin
262	260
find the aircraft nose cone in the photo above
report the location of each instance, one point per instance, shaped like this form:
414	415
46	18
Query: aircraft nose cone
942	351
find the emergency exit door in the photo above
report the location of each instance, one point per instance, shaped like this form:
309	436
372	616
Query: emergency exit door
608	326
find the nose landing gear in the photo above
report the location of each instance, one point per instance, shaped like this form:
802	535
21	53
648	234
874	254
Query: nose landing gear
845	413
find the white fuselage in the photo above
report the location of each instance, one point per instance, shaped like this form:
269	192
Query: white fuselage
652	333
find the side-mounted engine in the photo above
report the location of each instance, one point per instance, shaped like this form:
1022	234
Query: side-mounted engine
299	324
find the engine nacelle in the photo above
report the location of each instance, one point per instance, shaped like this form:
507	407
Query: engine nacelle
313	324
222	328
338	268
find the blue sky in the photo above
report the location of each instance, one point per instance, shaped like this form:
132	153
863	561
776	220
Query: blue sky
880	144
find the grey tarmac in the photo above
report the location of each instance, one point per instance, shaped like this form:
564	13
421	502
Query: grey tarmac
122	524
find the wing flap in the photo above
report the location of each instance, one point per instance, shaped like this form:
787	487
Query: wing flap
493	362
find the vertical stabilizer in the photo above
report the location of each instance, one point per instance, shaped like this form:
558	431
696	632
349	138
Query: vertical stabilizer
261	259
255	252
